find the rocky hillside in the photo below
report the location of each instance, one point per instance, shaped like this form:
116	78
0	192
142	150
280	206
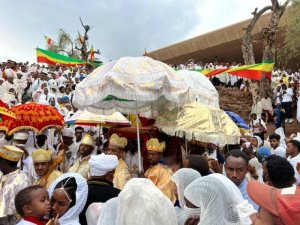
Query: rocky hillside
240	103
235	101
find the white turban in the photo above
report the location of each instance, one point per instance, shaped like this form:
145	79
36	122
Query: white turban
68	132
21	136
102	164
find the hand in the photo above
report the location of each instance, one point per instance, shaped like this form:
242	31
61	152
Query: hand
298	167
215	166
53	221
56	220
192	221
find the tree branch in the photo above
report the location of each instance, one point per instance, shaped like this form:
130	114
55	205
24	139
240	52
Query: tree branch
61	50
283	7
81	21
256	16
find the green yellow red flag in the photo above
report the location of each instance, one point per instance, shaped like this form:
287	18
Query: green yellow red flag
253	72
49	41
92	54
45	56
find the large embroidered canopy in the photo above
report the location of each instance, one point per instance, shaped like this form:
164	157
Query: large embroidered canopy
131	85
5	113
32	116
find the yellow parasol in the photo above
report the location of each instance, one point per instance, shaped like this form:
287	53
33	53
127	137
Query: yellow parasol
201	123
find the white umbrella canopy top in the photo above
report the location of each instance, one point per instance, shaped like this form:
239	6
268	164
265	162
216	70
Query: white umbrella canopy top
200	88
132	85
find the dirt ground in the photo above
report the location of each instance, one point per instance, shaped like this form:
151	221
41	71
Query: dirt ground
239	102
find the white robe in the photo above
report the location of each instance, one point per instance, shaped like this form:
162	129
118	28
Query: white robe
7	86
298	109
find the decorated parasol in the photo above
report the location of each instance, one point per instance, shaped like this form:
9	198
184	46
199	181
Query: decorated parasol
32	116
5	113
200	88
201	123
85	118
132	85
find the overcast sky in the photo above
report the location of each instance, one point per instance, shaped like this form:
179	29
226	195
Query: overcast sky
119	27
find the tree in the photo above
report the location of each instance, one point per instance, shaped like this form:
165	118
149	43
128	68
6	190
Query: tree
83	43
75	48
259	89
289	49
65	45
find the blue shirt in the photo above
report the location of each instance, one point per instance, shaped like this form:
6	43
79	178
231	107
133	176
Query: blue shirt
243	190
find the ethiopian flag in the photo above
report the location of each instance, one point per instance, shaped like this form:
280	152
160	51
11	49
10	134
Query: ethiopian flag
44	56
49	41
252	72
92	54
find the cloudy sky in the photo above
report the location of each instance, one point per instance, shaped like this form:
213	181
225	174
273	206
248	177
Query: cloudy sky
119	27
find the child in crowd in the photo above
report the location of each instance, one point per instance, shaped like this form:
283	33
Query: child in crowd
33	205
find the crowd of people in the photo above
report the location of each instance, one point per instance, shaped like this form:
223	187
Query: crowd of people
279	107
88	176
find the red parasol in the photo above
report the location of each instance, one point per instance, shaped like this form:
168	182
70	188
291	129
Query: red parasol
32	116
5	113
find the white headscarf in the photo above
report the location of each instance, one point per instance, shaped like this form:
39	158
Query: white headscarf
141	202
93	212
108	215
71	217
182	178
215	202
245	209
259	141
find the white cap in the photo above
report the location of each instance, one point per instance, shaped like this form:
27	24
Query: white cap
102	164
68	132
21	136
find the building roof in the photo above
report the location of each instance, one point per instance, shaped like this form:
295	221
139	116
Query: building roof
223	44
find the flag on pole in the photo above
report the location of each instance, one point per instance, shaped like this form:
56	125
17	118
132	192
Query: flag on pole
92	54
49	41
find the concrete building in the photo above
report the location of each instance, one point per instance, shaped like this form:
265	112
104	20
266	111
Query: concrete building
223	44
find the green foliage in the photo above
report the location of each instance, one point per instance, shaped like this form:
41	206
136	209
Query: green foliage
289	49
295	2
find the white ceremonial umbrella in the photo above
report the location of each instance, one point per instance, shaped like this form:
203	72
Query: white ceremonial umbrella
132	85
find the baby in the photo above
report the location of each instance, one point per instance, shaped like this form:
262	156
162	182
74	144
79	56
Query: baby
32	203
